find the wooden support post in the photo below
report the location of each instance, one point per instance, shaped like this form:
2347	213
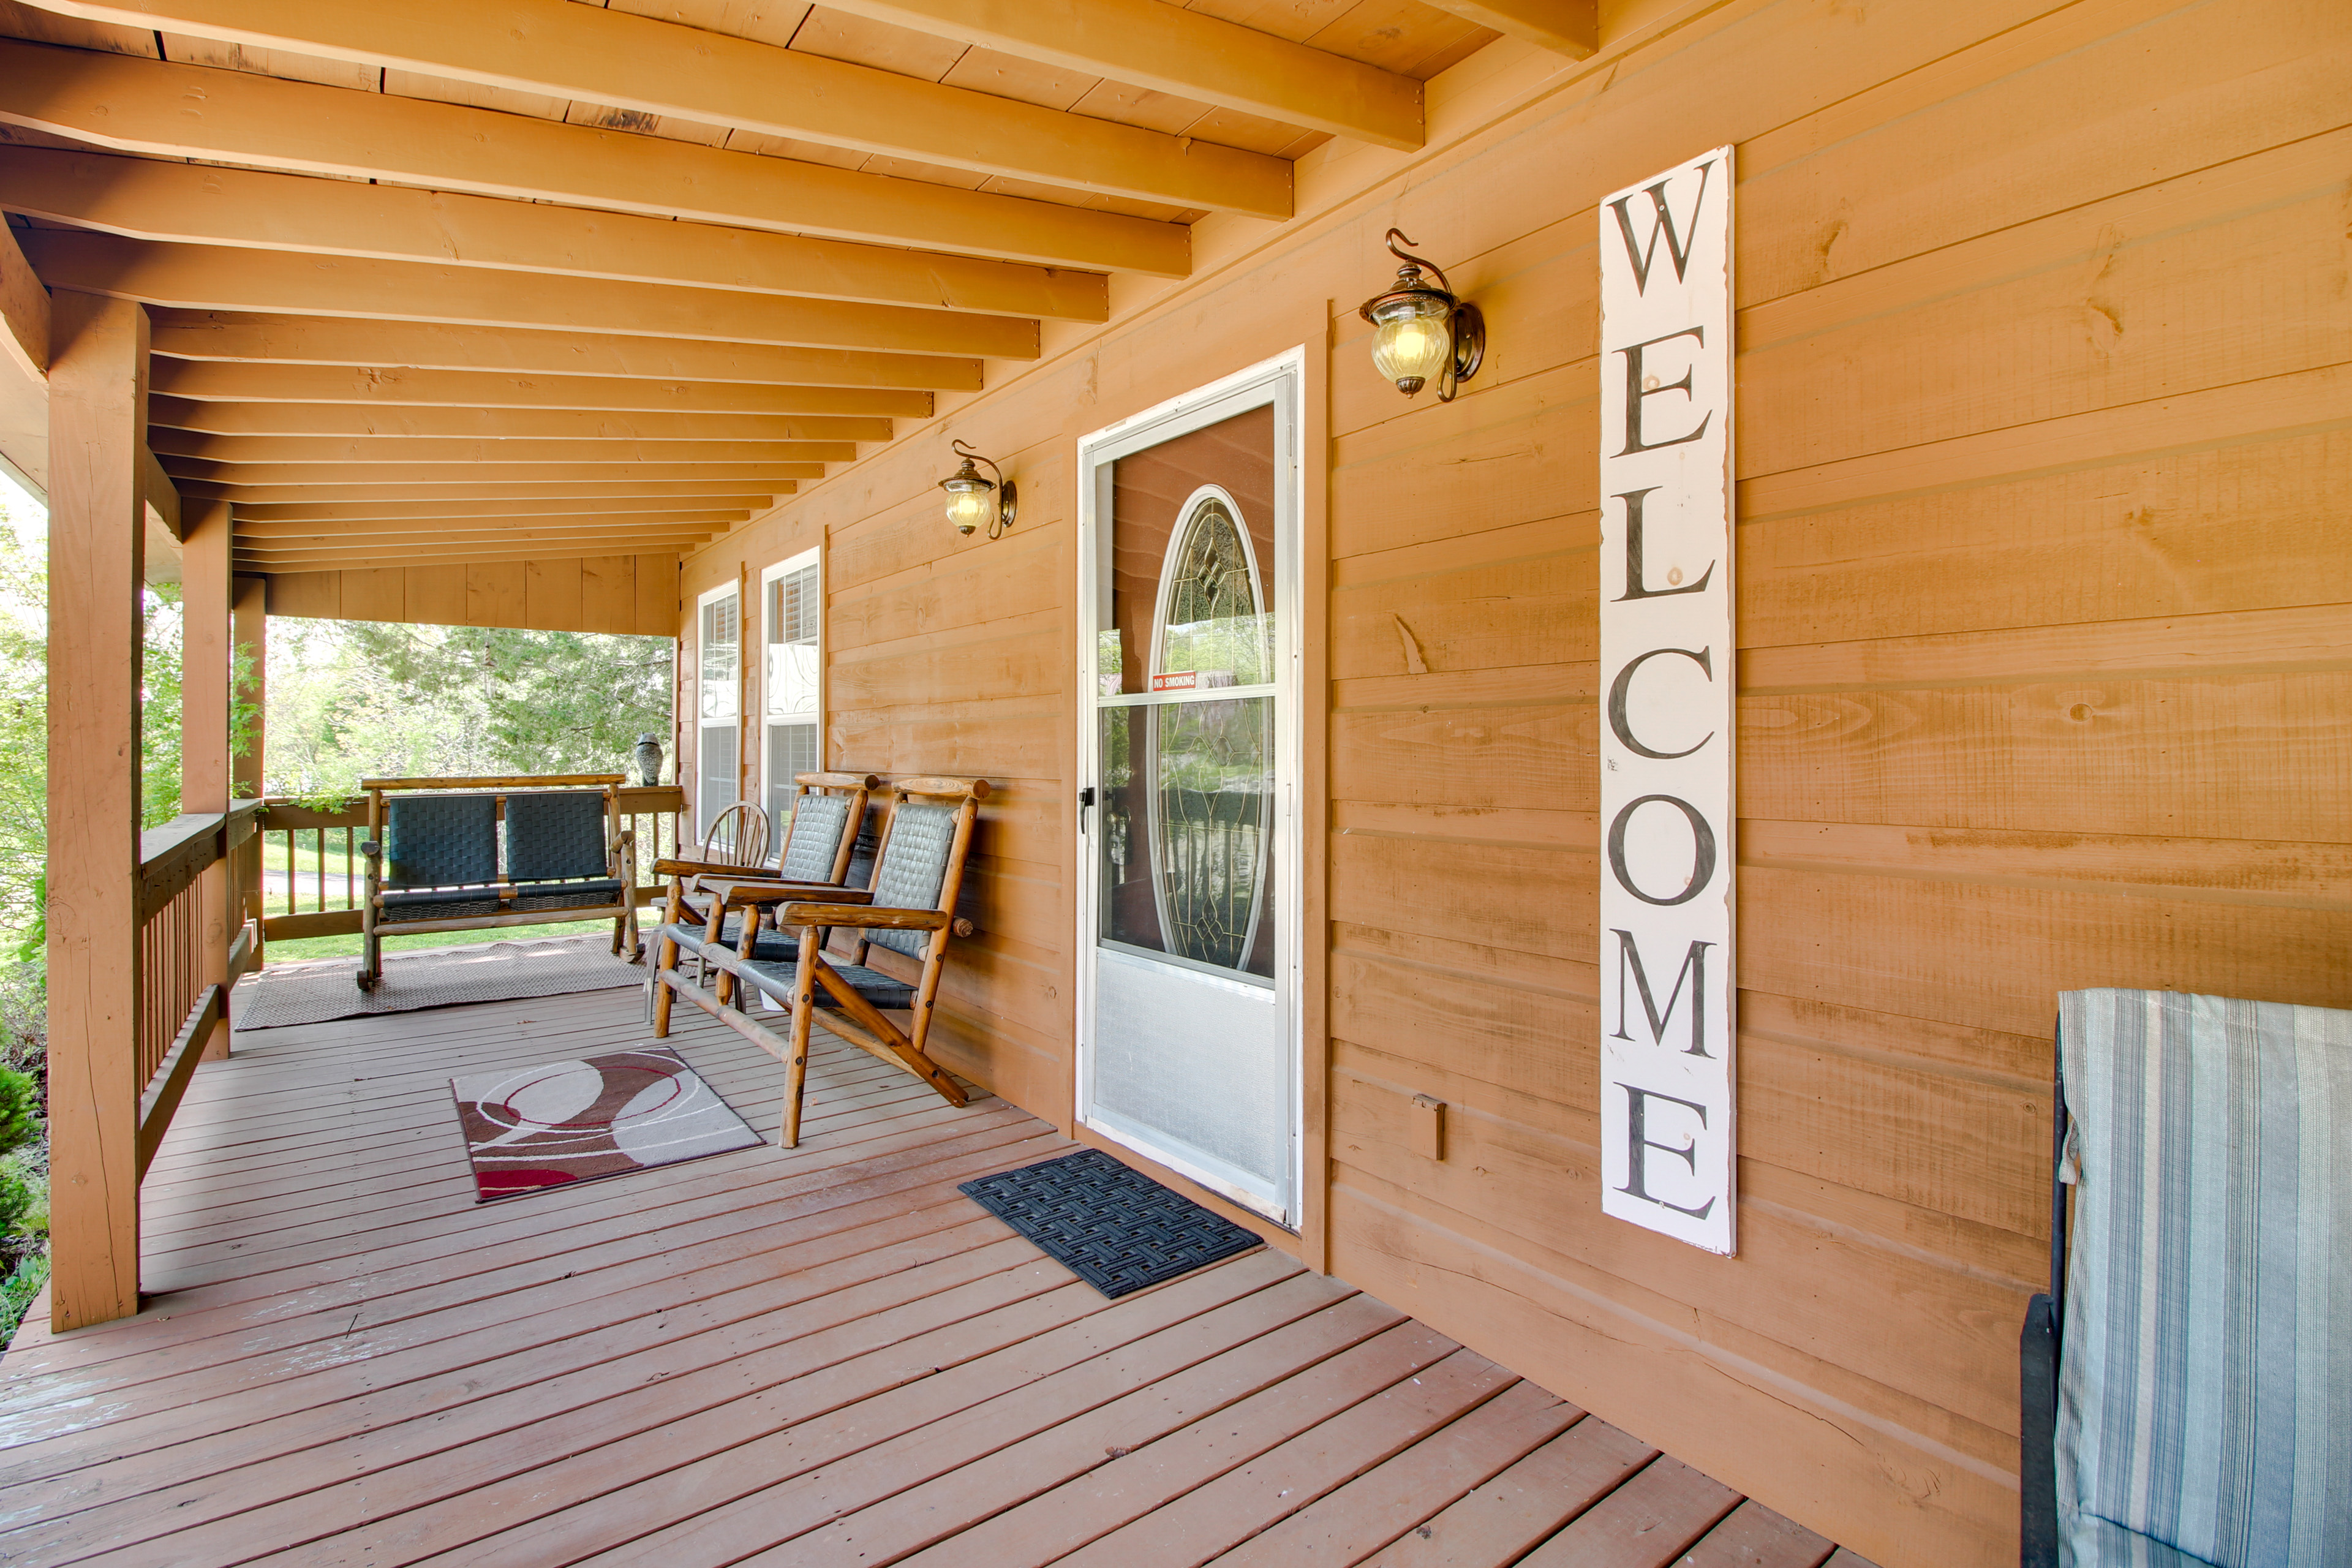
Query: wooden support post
250	627
98	424
205	588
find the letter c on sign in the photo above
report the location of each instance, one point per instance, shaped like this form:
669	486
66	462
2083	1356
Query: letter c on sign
1623	727
1702	858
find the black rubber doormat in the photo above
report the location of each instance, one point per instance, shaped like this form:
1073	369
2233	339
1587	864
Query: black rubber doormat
1115	1229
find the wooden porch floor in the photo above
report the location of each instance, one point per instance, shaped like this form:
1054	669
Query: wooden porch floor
827	1358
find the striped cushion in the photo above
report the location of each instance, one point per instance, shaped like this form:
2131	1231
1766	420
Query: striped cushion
2205	1396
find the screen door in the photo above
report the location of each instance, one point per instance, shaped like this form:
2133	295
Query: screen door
1188	843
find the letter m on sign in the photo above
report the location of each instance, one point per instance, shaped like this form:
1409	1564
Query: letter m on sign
1694	969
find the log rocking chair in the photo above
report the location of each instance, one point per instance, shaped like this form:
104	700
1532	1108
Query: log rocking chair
903	925
828	811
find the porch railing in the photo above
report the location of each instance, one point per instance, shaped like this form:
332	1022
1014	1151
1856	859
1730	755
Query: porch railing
189	955
309	876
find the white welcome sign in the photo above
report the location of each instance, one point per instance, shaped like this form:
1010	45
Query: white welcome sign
1668	672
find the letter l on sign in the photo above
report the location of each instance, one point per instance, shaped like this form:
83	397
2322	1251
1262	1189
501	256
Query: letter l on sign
1669	661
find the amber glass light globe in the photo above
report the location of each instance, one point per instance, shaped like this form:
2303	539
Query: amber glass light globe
1411	339
970	502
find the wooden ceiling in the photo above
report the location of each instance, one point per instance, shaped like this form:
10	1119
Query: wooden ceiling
441	281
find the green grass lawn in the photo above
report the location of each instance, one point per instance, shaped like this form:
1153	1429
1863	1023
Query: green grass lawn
307	865
299	950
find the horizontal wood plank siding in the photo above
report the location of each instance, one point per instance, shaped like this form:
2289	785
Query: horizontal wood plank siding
2045	625
634	595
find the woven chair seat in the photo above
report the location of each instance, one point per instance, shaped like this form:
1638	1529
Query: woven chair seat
877	988
594	893
769	947
438	904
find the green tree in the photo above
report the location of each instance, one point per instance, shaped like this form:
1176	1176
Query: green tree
24	729
158	707
349	700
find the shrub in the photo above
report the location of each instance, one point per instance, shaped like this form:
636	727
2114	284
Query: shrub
17	1293
20	1110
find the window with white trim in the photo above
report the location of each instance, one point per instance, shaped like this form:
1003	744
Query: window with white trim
718	649
794	721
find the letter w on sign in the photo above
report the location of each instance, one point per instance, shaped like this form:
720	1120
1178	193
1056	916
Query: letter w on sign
1669	1152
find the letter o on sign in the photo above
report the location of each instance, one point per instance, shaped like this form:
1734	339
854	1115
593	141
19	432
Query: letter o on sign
1702	849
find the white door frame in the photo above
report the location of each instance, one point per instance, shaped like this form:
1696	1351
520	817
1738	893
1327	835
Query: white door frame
1279	382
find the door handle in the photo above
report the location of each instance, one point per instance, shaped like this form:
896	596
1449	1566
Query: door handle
1086	801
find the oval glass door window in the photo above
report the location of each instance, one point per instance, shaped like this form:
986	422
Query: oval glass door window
1210	762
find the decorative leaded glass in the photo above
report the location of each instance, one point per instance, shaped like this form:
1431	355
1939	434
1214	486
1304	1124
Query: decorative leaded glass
1212	621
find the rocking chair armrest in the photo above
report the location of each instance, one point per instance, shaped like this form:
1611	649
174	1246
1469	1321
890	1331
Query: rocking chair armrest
674	867
870	918
738	894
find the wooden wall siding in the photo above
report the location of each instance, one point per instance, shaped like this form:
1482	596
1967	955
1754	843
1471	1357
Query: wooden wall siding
2046	642
632	595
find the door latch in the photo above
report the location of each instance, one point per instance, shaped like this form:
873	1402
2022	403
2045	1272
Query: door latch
1086	801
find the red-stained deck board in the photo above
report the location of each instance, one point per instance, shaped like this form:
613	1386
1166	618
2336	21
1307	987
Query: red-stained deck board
1753	1536
1515	1511
1646	1522
1382	1504
823	1357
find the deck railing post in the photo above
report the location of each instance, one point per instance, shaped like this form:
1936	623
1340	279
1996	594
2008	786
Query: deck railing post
249	626
98	427
206	590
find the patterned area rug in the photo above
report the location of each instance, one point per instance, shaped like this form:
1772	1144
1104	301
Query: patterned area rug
1108	1224
290	994
565	1122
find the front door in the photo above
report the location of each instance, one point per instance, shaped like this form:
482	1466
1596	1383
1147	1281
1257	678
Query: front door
1188	841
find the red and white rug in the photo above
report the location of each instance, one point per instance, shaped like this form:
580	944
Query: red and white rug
564	1123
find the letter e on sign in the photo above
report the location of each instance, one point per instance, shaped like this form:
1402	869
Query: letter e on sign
1669	656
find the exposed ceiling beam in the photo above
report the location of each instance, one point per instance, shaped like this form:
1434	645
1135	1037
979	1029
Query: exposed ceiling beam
456	557
24	313
391	388
1571	28
340	553
442	498
504	424
453	553
283	539
138	105
413	475
1145	43
24	369
244	339
220	278
144	198
610	56
374	450
250	515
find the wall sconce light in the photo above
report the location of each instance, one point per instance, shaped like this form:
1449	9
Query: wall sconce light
972	501
1423	331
